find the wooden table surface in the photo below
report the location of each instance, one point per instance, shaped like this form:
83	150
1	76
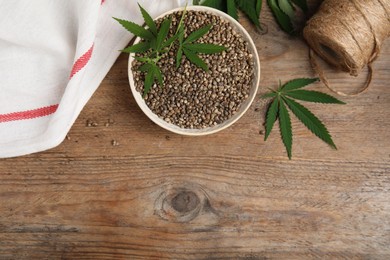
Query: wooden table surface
157	195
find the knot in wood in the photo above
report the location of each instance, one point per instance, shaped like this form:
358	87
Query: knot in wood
185	201
180	204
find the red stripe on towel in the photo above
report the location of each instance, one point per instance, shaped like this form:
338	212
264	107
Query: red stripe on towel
29	114
45	111
81	62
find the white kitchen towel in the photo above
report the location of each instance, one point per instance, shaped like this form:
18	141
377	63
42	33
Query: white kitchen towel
53	56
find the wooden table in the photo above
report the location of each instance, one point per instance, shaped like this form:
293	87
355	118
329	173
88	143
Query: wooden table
157	195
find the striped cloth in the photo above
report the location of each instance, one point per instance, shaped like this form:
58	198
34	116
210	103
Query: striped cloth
53	56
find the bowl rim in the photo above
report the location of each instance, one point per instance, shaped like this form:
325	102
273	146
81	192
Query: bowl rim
207	130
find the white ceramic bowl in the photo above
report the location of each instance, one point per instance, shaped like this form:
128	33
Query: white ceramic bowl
244	106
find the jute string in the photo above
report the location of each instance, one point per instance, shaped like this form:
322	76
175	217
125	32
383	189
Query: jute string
348	34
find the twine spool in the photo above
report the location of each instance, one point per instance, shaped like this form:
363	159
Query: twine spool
348	34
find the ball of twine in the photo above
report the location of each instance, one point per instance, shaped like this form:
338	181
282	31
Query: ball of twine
348	34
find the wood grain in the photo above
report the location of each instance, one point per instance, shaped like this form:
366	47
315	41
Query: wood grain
231	195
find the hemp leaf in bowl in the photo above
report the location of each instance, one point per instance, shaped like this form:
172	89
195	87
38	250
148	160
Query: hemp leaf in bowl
157	41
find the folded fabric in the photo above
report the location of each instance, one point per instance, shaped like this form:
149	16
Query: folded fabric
53	56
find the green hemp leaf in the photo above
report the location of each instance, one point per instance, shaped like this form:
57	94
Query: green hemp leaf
155	42
191	49
283	10
251	8
283	98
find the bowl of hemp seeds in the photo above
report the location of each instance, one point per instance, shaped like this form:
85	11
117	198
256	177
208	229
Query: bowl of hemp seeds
196	94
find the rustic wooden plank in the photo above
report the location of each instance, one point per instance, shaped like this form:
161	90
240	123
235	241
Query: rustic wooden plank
227	196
